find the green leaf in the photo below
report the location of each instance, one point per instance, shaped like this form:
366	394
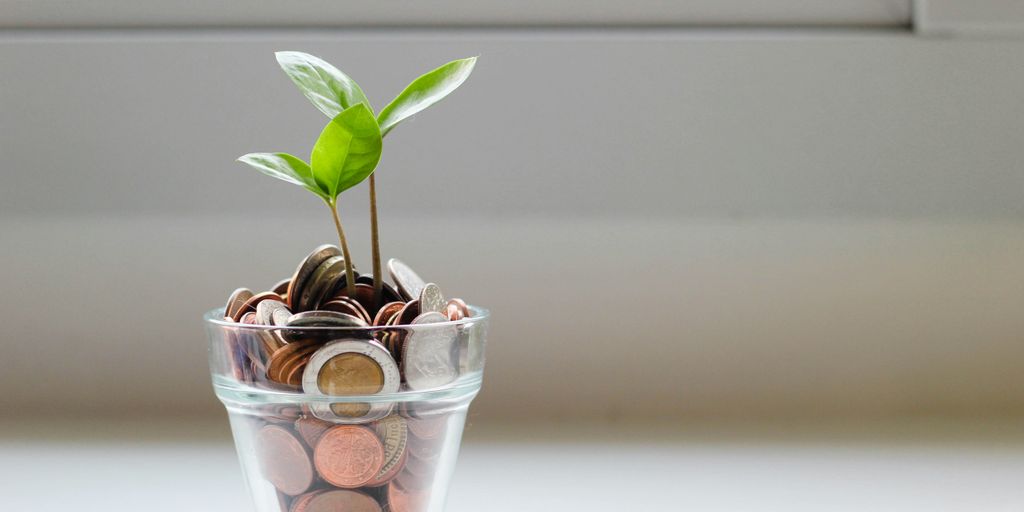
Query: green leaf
284	167
424	92
330	90
347	151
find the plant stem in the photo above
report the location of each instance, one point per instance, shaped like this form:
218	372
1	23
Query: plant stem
378	275
350	276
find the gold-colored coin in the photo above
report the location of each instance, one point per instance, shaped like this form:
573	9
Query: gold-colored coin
350	373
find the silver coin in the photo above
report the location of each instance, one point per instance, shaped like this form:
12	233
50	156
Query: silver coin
321	281
324	319
430	354
410	285
306	268
236	300
265	311
431	299
392	379
280	316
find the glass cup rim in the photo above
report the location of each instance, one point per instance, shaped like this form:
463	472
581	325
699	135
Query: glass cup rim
216	317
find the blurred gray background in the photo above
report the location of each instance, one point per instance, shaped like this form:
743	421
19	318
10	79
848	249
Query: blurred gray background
695	210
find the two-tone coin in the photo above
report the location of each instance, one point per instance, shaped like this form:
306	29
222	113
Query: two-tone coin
351	367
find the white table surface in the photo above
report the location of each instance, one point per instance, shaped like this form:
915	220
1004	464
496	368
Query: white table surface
927	466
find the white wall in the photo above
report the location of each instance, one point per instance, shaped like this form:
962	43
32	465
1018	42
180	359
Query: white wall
665	222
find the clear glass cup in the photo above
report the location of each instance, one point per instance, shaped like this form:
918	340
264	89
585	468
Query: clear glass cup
391	448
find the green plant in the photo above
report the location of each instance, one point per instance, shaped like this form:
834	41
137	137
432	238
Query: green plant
349	147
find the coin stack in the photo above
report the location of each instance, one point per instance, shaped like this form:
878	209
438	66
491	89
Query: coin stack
318	339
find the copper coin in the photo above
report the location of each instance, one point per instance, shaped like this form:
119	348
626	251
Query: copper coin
346	305
235	302
300	503
284	461
341	500
386	312
296	365
387	292
305	269
453	312
348	456
459	303
409	312
364	295
250	305
310	429
277	360
401	500
235	358
281	288
255	344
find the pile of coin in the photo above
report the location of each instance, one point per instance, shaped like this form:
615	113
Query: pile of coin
319	466
317	338
367	361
